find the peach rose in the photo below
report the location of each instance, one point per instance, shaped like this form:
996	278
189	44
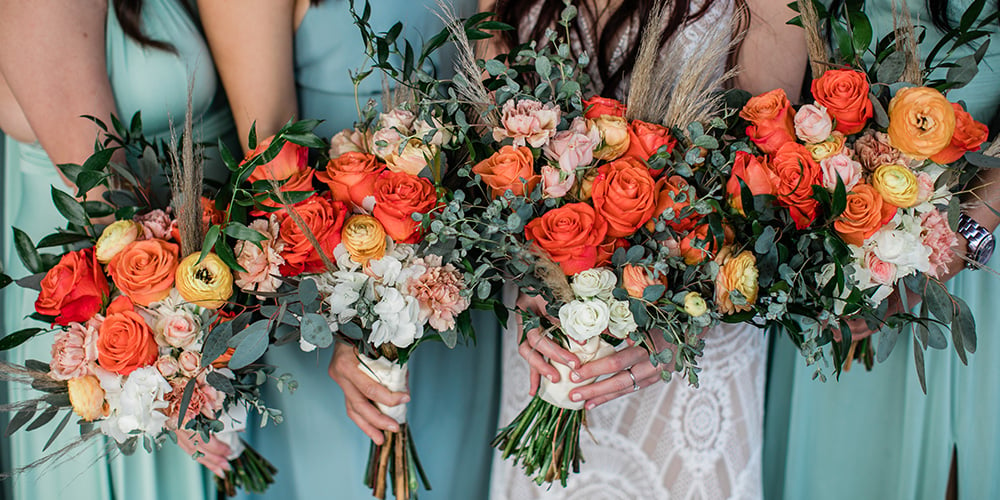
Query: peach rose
571	148
398	196
555	182
797	172
921	122
189	362
882	272
736	273
74	290
510	168
124	341
349	140
696	253
413	158
351	177
87	397
772	120
167	366
115	237
844	93
610	134
625	195
969	135
144	270
570	235
865	214
364	238
813	124
832	146
635	279
599	106
645	139
758	178
843	167
208	283
324	218
673	194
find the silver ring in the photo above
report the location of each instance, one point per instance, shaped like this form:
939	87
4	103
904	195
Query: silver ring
635	385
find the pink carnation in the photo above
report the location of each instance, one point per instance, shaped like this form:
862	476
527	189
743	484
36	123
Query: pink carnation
527	121
261	263
205	399
156	225
75	350
439	293
925	187
939	237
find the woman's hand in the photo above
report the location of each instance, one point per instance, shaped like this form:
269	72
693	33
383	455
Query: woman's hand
214	452
360	391
537	347
630	370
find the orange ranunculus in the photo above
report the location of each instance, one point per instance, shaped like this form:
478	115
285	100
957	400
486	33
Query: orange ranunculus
570	235
599	106
739	273
645	139
772	120
144	270
351	177
669	190
969	135
510	168
86	396
844	93
694	255
124	341
74	290
399	195
635	279
324	218
921	122
758	178
364	238
796	172
624	194
288	163
866	212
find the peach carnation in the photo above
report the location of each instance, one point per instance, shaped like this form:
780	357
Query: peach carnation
439	293
527	121
75	350
939	237
261	263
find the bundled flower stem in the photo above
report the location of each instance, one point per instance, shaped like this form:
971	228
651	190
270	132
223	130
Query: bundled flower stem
249	471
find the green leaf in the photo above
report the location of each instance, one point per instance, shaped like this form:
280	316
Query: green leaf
918	361
216	343
861	29
653	292
99	160
351	330
891	68
308	292
61	239
20	418
226	254
982	161
241	232
252	138
544	67
881	116
939	302
19	337
211	236
220	382
186	401
70	170
59	429
316	331
71	209
26	251
967	322
707	142
44	418
962	72
887	340
251	348
97	209
449	337
87	180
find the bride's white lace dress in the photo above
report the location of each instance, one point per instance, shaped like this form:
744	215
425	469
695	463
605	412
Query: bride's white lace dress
669	441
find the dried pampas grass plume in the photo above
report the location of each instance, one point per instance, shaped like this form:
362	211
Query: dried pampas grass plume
186	177
819	56
553	276
468	77
906	42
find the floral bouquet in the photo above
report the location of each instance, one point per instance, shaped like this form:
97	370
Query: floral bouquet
855	196
131	308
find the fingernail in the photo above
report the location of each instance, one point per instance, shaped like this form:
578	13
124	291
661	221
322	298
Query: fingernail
406	399
574	377
591	406
572	364
394	428
552	378
574	397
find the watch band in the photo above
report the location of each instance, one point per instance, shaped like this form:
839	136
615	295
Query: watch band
981	241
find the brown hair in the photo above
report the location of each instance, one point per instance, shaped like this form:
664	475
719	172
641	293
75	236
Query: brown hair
129	13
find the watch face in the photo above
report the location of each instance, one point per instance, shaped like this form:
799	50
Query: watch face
986	250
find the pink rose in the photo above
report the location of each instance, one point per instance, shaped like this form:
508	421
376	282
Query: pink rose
813	124
882	272
571	148
347	141
439	292
189	362
555	182
842	166
176	328
939	237
386	142
527	121
925	187
167	366
75	350
261	263
399	119
156	225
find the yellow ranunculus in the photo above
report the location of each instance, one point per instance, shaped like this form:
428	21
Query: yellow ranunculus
694	304
116	237
614	136
364	238
896	184
830	147
737	273
87	397
921	122
208	283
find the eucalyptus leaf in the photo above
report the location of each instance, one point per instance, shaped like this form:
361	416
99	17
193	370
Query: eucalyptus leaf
887	340
316	331
251	348
216	343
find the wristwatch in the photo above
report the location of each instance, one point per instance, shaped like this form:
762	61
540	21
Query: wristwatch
981	241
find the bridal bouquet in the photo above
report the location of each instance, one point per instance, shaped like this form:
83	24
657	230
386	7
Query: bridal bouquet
853	196
130	309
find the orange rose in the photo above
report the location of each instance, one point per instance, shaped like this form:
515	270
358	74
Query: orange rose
866	212
399	195
209	214
758	178
969	135
570	235
74	290
635	279
921	122
510	168
645	139
625	195
144	270
324	218
124	341
670	189
351	177
772	120
697	253
598	106
796	172
291	160
844	93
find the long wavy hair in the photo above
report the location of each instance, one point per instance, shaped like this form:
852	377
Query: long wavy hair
512	12
129	13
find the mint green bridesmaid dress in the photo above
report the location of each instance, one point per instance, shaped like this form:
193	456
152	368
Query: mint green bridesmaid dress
319	451
875	434
155	82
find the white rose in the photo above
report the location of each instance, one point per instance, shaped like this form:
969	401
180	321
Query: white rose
583	320
622	323
594	283
902	248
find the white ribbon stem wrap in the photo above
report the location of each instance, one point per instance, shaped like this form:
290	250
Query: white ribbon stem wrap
392	376
557	393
